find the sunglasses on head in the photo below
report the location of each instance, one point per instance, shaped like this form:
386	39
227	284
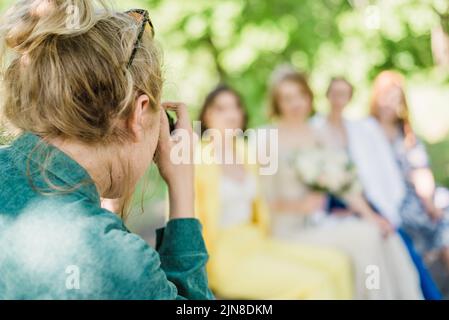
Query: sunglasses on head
142	17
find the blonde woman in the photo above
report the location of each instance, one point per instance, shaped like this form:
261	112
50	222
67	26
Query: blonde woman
87	103
297	212
245	262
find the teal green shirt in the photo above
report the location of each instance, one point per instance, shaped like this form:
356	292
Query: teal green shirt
56	242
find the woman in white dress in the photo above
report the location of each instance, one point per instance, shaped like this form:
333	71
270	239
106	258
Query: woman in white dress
383	269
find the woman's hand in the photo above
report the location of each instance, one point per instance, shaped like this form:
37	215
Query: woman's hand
178	175
315	202
384	225
310	204
359	205
436	214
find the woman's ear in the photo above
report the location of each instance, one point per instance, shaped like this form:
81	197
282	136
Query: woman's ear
137	122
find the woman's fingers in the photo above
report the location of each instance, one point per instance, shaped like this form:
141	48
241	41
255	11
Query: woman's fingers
164	142
185	134
182	134
177	173
164	123
386	226
182	114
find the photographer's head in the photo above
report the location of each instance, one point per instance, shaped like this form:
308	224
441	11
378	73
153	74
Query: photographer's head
74	74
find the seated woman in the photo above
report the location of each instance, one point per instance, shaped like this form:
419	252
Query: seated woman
244	261
427	224
358	139
87	103
296	208
332	130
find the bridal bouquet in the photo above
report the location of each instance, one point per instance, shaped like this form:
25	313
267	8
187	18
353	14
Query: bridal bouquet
326	170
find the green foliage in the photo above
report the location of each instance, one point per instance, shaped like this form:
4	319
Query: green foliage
439	153
242	41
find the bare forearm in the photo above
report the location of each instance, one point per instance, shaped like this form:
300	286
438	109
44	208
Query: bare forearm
181	201
306	205
424	183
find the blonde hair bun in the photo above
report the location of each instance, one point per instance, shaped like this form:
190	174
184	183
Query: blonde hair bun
64	69
29	22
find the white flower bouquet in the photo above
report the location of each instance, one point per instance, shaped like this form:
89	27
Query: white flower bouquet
326	170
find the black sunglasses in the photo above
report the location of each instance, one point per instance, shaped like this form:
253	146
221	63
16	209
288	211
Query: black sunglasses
143	18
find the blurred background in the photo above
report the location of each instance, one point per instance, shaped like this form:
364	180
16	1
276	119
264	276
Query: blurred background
240	42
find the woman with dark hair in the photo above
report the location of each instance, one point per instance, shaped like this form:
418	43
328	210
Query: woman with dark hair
244	261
